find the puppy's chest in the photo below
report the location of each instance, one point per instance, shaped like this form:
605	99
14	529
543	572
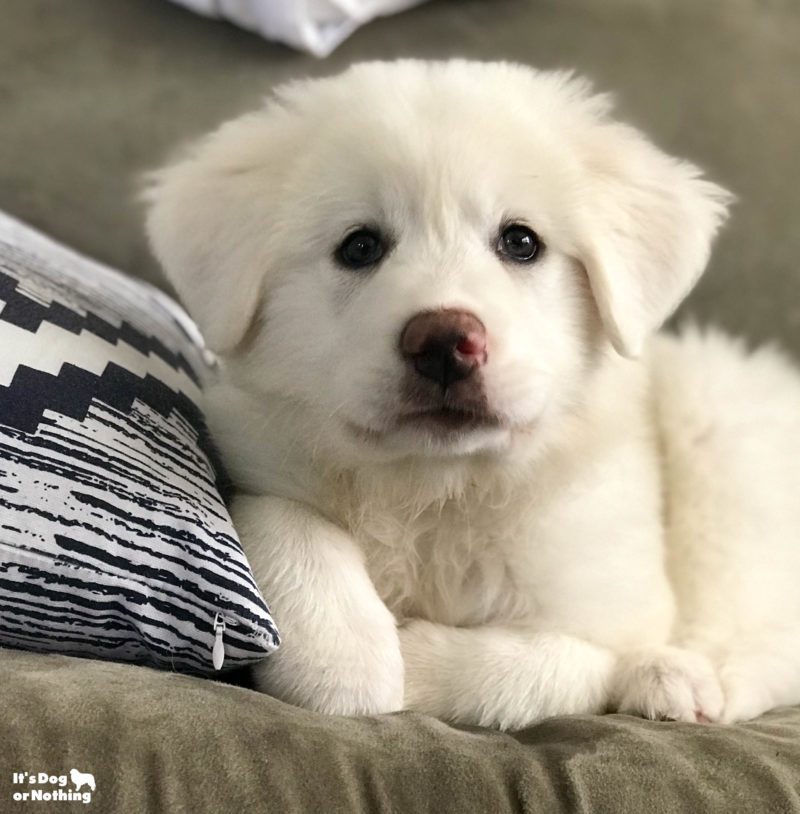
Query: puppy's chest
447	565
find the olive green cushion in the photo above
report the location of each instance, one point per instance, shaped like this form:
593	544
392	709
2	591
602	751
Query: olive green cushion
158	741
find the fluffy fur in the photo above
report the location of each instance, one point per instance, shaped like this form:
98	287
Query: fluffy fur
627	536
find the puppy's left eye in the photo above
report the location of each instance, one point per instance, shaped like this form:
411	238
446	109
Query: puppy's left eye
519	243
361	249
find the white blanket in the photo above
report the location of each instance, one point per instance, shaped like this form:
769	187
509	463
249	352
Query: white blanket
317	26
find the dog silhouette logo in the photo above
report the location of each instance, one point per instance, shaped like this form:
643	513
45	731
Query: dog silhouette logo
81	779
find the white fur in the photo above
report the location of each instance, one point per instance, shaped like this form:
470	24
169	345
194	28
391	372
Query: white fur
627	538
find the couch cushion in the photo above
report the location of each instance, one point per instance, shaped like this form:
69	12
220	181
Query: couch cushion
156	741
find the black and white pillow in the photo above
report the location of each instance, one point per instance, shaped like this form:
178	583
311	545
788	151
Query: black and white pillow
114	539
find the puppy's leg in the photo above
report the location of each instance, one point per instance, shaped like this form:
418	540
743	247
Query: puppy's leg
731	445
340	652
501	676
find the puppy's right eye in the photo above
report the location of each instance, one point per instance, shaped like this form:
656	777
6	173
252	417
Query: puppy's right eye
361	249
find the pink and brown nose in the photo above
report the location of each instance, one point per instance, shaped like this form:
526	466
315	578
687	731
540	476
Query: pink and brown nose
444	346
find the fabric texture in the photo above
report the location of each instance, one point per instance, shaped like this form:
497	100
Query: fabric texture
157	742
114	539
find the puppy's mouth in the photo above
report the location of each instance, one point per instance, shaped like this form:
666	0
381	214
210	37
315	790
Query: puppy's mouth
444	423
448	419
431	413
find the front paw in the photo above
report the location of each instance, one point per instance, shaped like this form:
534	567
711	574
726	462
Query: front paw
365	678
668	684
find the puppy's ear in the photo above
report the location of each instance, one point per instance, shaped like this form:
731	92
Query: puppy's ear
647	223
209	219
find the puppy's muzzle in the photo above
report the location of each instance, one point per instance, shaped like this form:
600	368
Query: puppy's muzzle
445	346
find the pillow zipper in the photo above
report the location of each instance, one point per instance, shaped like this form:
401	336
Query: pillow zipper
218	650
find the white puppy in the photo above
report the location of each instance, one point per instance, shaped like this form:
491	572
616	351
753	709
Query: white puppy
470	482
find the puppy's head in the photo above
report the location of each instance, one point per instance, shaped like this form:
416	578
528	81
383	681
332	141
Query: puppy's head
426	257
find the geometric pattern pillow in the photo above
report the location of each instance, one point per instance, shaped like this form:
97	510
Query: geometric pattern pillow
115	541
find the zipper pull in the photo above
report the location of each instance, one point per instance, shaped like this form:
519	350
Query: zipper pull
218	651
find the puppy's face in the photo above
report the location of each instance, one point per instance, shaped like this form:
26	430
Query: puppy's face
423	294
425	258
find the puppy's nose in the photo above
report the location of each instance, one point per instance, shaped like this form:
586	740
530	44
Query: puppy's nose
444	346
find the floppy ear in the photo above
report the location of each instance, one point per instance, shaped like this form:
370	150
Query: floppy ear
209	223
646	226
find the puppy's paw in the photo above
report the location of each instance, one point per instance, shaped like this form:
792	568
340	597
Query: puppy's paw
743	700
755	679
668	684
363	678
